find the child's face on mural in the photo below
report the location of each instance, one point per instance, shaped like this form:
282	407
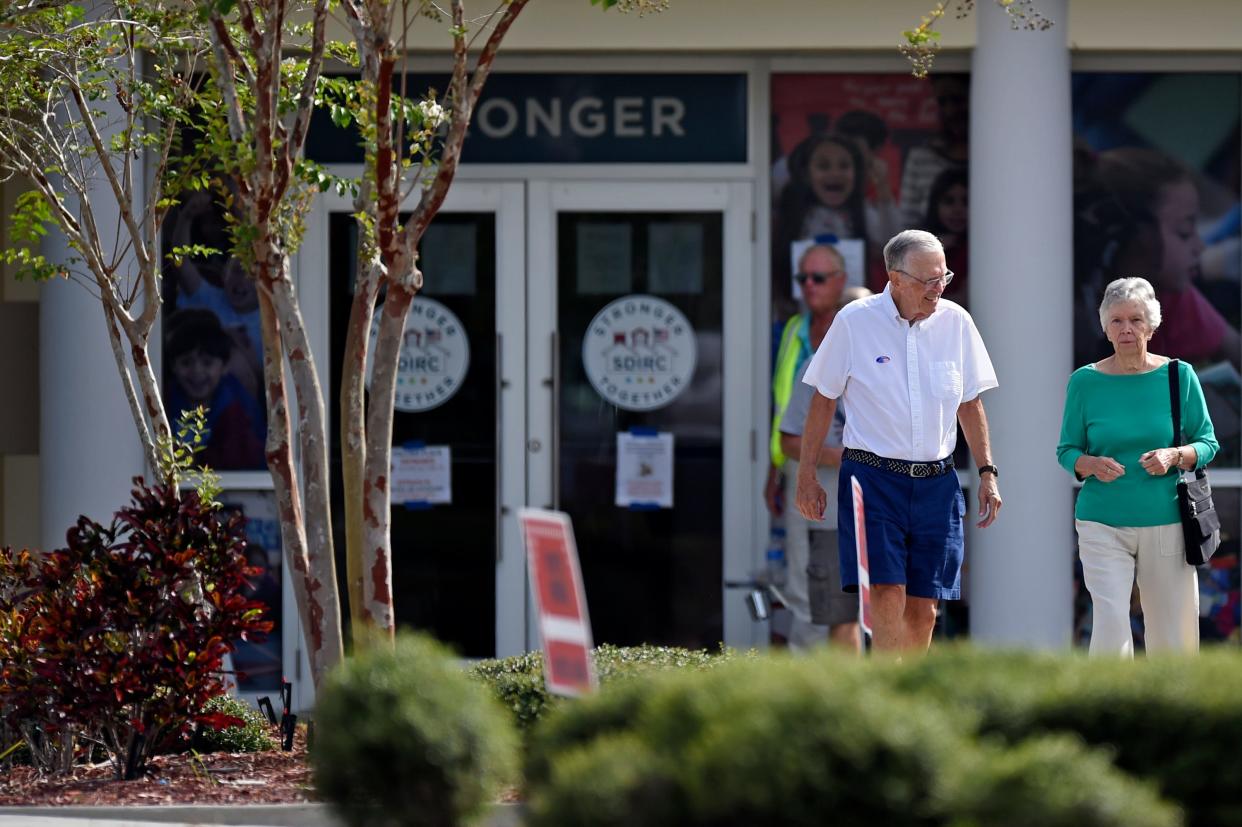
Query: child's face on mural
238	289
199	374
954	209
832	174
1178	216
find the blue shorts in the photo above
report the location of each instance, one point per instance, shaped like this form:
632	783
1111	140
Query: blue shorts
914	531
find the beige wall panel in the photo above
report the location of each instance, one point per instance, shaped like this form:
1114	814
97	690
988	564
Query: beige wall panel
19	498
1155	25
780	26
816	26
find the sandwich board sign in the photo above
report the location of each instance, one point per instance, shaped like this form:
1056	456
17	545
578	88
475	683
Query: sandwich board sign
864	571
556	580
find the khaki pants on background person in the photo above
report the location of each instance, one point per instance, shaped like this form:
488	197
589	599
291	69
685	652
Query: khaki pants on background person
803	634
1112	559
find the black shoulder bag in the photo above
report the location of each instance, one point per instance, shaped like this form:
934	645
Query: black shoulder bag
1200	522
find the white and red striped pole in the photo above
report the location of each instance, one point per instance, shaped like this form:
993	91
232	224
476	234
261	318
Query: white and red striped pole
860	543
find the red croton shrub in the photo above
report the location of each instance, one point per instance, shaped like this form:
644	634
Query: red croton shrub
119	638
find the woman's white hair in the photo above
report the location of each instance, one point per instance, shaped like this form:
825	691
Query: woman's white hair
1127	290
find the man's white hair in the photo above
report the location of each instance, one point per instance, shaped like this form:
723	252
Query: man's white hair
1127	290
909	241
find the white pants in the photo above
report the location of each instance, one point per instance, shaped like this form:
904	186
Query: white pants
1112	558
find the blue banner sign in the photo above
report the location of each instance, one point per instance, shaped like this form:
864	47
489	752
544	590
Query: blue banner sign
536	118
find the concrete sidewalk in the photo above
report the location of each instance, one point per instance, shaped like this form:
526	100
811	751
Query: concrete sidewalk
262	815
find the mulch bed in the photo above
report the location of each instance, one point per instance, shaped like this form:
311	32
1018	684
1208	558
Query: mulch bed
274	777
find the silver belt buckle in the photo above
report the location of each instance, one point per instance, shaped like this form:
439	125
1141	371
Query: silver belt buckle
914	468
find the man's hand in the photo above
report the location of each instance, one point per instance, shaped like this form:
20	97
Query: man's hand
989	499
1159	461
812	499
771	491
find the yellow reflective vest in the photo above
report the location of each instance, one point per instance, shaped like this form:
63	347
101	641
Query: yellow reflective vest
795	348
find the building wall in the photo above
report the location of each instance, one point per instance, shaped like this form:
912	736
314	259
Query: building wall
19	417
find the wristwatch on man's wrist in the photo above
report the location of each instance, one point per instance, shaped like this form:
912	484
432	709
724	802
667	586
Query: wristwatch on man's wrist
989	469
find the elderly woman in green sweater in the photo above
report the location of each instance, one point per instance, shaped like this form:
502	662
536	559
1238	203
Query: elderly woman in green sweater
1117	436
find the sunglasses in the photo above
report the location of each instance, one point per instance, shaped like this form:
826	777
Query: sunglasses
817	278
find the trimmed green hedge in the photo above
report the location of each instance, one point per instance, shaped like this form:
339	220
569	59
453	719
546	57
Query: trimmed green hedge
255	735
1176	721
518	682
403	738
780	741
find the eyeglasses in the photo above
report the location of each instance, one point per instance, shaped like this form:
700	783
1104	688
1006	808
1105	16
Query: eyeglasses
817	278
942	281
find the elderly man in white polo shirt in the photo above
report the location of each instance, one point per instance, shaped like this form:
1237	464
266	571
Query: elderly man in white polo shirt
909	366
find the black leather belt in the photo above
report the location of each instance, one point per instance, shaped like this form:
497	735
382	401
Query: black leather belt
900	466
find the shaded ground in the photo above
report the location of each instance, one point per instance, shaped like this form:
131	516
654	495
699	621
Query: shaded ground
274	777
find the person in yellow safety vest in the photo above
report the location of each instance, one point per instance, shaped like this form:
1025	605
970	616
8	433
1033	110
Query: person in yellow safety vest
821	276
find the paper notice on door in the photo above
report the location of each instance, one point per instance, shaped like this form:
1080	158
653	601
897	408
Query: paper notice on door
644	469
421	475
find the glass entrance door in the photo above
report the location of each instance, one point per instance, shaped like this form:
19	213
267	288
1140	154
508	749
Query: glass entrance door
640	303
457	477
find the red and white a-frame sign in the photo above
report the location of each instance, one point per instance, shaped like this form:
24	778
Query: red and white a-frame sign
864	570
556	579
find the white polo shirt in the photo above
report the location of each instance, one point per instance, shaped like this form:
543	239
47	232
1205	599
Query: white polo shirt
901	382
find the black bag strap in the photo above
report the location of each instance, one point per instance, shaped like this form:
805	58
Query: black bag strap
1175	400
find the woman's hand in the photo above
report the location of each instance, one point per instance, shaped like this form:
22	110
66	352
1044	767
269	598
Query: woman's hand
1104	469
1158	462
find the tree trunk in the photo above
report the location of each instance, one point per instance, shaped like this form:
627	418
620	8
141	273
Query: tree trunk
377	557
353	441
312	436
306	589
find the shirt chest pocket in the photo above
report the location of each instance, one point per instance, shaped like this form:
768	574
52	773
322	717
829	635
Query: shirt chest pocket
946	380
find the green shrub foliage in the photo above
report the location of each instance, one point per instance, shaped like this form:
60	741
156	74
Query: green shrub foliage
404	738
818	741
119	638
518	682
1049	781
229	724
1176	721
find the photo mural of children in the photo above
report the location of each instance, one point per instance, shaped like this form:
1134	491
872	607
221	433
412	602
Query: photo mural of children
948	217
259	664
212	337
895	133
826	196
196	351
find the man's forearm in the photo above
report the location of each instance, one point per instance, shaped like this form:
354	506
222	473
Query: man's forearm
975	427
814	430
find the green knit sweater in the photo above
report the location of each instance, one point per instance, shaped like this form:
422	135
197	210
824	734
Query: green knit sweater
1123	417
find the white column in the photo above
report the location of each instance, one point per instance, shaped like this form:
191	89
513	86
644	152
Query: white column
1021	296
88	448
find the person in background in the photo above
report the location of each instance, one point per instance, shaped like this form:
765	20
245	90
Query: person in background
1116	434
819	606
948	216
196	350
821	276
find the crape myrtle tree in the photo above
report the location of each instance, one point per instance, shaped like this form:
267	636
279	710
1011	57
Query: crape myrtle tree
921	43
255	115
91	109
412	148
